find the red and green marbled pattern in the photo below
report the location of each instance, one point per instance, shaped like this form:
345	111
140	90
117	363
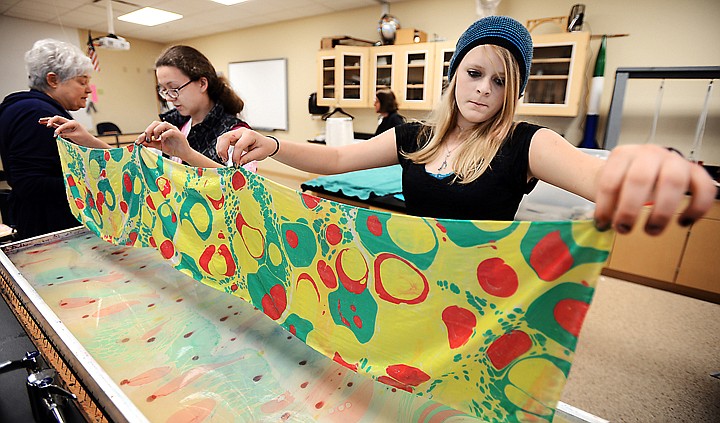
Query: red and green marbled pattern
480	315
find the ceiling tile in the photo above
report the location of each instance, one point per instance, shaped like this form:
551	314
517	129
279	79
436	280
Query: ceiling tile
188	8
200	17
31	13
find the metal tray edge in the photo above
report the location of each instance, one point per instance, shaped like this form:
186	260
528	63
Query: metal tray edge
101	387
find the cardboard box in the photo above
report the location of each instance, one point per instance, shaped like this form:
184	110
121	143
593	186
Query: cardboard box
410	36
328	43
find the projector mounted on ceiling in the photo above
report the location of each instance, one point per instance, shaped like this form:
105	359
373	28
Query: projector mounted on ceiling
111	41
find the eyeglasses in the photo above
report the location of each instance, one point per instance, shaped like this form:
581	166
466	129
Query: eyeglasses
172	93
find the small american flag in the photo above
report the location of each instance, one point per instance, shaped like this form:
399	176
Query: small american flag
92	53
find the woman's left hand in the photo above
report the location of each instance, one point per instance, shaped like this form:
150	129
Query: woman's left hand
248	145
636	175
73	131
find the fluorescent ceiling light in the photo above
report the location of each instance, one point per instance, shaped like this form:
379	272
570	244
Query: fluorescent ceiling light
229	2
149	16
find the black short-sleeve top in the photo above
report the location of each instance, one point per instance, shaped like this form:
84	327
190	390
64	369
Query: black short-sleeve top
495	195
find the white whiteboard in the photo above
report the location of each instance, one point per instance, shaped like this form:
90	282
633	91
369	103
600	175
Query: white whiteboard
262	85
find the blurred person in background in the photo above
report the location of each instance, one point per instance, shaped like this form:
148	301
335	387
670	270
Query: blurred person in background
386	105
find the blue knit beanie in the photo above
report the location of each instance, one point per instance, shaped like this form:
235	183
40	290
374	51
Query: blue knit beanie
500	31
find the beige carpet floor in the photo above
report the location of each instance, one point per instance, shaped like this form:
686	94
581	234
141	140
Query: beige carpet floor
646	355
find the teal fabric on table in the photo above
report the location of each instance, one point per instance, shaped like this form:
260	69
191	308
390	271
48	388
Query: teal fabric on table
362	184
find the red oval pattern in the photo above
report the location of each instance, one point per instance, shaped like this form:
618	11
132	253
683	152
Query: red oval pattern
238	181
273	305
408	375
333	234
167	249
460	323
570	313
497	278
551	257
508	347
374	225
327	275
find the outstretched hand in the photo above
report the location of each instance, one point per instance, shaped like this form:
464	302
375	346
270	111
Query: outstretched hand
170	140
636	175
248	146
167	138
72	130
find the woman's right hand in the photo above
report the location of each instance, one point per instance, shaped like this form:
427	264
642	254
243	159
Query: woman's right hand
248	146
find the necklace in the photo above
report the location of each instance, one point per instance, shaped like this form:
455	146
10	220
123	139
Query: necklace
444	163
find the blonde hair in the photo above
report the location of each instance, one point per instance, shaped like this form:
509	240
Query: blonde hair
483	139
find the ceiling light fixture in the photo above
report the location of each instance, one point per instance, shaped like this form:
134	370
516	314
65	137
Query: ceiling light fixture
149	16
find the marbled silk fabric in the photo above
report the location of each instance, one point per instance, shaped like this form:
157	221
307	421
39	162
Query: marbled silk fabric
480	315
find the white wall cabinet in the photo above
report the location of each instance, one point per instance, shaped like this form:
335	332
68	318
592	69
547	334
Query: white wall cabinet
416	68
383	69
557	75
343	76
326	77
349	76
443	53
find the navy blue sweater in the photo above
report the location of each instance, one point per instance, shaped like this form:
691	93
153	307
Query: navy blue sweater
29	154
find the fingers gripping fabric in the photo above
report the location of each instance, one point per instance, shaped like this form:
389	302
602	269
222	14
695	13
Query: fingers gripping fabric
482	316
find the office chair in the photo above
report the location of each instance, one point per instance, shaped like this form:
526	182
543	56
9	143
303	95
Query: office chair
107	128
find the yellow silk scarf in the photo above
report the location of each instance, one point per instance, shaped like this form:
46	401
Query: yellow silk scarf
480	315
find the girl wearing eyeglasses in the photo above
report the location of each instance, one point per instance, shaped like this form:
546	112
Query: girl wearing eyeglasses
205	106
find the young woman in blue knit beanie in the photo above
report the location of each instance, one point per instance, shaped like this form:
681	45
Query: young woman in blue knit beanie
472	161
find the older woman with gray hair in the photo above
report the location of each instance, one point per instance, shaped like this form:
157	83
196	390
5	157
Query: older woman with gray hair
58	76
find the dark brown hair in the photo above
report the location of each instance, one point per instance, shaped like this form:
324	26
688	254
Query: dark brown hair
195	65
388	103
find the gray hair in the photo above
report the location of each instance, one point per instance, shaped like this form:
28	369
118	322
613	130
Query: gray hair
64	59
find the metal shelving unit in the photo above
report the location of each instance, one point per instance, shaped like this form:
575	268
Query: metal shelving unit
622	75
